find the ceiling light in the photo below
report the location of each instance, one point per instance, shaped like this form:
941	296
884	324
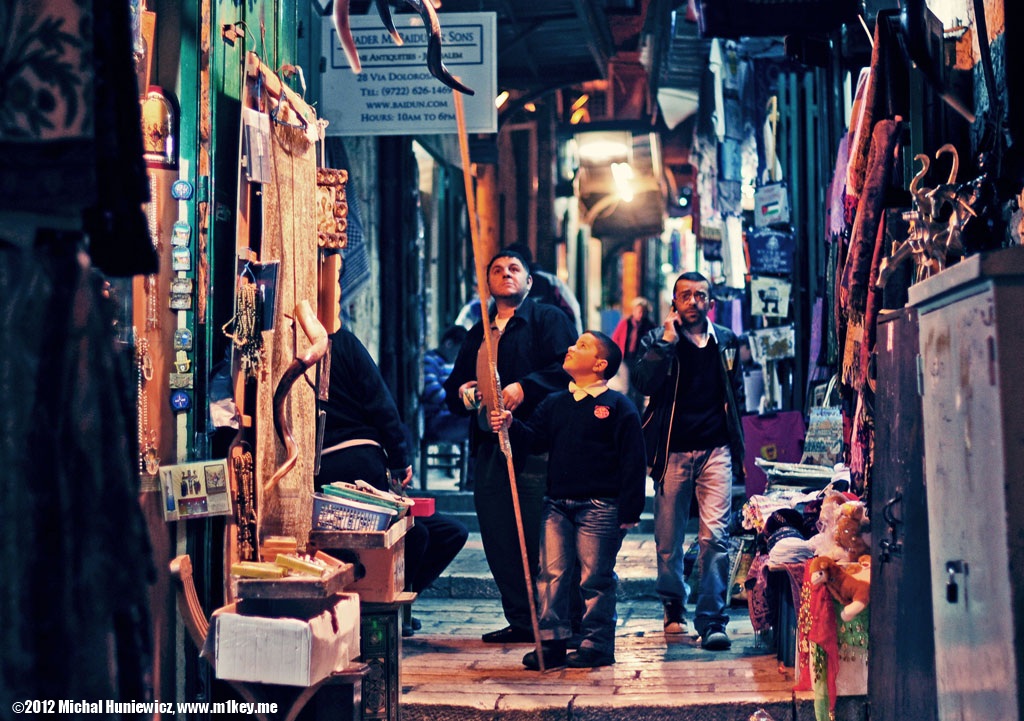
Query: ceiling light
580	115
580	101
530	108
623	175
602	147
501	99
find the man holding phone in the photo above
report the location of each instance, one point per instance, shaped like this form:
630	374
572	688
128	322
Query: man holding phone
690	369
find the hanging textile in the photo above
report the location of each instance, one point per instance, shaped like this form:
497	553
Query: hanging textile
71	151
289	213
77	567
855	285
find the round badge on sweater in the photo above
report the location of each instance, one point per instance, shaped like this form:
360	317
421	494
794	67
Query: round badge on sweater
601	412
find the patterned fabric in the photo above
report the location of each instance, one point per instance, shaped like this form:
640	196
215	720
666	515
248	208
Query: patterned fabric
78	601
70	126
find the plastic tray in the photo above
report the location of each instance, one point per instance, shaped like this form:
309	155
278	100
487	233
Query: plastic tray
331	513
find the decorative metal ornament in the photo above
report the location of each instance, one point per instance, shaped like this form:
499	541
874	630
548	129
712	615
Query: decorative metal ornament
179	301
181	258
181	362
181	381
183	339
181	233
181	190
180	401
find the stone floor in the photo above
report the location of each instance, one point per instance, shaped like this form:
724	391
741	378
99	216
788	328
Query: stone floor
448	673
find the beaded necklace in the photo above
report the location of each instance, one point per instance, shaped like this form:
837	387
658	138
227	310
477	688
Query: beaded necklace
245	506
248	336
149	455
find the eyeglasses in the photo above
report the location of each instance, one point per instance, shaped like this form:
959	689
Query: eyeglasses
698	296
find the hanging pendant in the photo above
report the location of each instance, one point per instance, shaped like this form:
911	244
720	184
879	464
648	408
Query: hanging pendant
151	459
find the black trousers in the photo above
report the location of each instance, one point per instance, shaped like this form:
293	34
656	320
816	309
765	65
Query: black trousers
492	495
432	542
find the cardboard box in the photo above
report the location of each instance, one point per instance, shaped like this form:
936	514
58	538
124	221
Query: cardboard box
287	651
385	573
382	553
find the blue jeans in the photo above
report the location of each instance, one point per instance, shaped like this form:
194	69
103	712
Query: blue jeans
585	532
710	472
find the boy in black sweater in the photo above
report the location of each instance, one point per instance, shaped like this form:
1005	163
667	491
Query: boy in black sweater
597	473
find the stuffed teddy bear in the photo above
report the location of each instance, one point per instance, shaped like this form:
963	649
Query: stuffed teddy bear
846	588
851	525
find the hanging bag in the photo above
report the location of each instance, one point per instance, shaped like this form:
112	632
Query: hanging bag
823	444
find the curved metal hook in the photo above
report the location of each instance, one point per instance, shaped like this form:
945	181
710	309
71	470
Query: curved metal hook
319	341
915	183
435	64
344	30
384	10
950	149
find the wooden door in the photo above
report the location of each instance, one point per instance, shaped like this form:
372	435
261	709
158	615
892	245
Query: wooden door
901	664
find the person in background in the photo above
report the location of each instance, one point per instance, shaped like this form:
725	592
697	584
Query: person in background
690	369
630	329
440	424
531	340
596	479
364	439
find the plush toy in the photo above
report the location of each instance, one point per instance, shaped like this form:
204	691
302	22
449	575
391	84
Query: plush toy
851	525
846	588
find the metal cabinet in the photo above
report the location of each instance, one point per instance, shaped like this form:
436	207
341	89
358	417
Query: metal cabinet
901	665
971	341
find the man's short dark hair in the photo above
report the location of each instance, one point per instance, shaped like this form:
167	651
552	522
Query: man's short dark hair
506	253
694	277
609	351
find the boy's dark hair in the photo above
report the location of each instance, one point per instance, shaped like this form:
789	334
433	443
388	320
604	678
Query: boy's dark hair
609	351
456	334
506	253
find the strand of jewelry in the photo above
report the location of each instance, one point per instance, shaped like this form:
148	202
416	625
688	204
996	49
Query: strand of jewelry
248	334
243	465
149	456
152	316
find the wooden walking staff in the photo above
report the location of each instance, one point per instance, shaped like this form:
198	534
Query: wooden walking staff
492	379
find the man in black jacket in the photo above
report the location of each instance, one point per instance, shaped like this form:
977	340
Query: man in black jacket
364	439
694	440
531	341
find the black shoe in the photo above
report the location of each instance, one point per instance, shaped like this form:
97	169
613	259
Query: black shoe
407	630
589	658
714	638
675	622
415	623
554	656
508	635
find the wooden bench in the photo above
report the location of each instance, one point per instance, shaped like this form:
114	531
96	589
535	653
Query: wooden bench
290	700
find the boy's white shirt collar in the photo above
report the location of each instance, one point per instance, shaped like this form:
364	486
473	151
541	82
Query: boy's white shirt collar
595	389
710	334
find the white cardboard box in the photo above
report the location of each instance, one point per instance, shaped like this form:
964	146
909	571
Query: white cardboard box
287	651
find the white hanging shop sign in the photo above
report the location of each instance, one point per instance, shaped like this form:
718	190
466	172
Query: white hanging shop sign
395	94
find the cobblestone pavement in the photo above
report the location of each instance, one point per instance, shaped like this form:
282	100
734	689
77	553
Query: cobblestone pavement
448	672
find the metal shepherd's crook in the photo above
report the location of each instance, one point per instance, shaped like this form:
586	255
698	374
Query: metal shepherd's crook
492	362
